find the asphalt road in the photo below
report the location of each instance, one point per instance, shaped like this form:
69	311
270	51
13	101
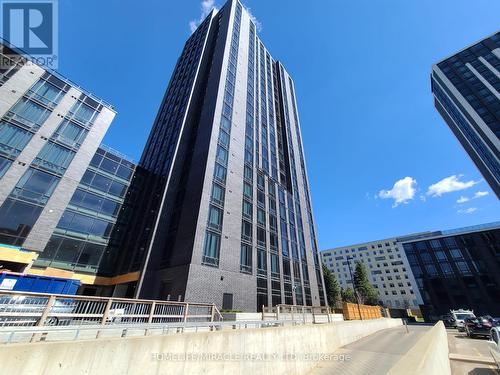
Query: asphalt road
459	343
374	354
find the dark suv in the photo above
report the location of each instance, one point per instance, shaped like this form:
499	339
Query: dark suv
479	326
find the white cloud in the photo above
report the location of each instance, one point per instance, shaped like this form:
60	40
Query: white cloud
256	22
467	210
449	184
402	192
480	194
206	8
462	199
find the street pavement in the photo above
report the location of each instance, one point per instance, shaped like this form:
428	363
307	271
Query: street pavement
460	344
374	354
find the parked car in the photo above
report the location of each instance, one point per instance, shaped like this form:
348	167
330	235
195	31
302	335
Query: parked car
448	320
459	316
478	326
495	345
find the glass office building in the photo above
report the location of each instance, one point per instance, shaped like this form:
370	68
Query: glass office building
457	269
466	88
50	129
224	212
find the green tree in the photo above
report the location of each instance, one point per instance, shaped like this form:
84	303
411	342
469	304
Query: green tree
332	287
366	291
348	295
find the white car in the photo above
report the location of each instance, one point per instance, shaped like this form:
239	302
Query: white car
494	345
459	316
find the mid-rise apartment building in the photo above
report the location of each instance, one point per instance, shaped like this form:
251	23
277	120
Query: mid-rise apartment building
59	192
457	269
388	269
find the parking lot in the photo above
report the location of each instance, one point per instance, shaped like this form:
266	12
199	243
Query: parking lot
460	344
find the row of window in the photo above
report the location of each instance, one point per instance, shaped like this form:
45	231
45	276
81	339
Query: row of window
211	248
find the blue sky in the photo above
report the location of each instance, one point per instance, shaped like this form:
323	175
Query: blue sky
380	159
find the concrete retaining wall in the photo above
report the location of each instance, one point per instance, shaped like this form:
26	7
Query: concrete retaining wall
250	351
428	356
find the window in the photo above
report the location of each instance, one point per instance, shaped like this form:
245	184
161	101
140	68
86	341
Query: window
70	134
90	256
431	269
246	258
247	190
4	165
261	198
261	217
446	268
221	155
463	268
35	186
117	188
248	173
261	260
46	93
260	181
16	221
247	209
225	124
456	254
28	113
275	266
284	247
12	139
82	112
54	157
124	172
211	249
246	231
224	138
217	194
215	218
109	166
261	237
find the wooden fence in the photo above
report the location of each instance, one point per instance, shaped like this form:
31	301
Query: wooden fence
351	311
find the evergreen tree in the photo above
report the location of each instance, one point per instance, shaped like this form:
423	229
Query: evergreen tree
332	287
366	291
348	295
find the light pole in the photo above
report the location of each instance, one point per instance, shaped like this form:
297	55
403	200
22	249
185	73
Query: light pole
349	258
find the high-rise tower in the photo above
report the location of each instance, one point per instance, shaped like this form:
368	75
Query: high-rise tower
224	213
466	88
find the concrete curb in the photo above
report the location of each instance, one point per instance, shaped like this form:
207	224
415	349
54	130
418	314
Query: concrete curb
468	358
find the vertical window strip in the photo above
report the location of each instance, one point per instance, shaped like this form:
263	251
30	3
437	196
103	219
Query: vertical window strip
211	249
247	248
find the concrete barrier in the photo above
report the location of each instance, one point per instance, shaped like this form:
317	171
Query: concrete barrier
280	350
428	356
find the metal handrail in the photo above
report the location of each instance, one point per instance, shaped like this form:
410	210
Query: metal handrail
123	299
41	309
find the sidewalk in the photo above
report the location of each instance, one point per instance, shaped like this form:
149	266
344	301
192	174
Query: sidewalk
374	354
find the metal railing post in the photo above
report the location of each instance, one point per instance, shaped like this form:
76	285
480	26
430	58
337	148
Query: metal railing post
151	312
46	311
213	313
106	311
186	308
